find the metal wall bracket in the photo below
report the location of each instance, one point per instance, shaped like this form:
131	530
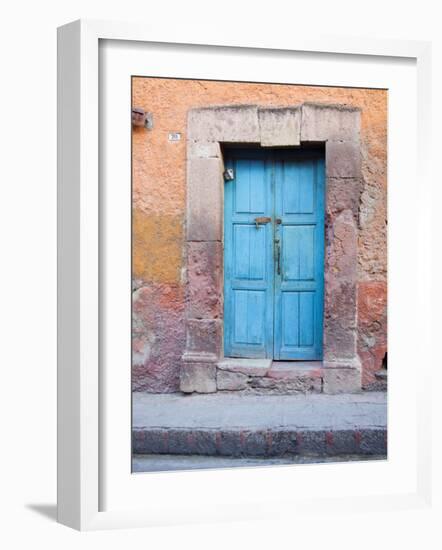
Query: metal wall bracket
141	118
229	174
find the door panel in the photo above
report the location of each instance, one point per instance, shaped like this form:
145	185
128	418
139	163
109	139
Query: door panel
299	205
250	189
298	252
298	189
249	252
273	301
249	304
248	257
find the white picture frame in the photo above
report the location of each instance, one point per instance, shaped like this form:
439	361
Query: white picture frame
82	445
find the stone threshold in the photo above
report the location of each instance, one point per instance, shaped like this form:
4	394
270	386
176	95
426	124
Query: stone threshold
270	367
269	376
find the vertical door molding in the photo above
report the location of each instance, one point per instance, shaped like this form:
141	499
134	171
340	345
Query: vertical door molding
338	126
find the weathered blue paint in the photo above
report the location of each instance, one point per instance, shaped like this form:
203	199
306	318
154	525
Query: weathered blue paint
248	257
299	287
273	273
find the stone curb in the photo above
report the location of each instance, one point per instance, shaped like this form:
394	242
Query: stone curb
259	443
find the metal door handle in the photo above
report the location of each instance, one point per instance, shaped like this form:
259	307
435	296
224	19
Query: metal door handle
278	257
261	221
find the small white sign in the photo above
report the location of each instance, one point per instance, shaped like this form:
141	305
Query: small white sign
174	136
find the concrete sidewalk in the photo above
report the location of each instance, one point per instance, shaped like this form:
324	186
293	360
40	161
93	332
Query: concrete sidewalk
254	426
167	463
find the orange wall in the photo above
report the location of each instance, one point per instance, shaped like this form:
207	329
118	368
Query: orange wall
159	195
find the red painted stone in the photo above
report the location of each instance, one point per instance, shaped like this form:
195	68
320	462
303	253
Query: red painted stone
340	287
329	438
158	337
204	335
289	370
372	323
342	194
204	280
341	250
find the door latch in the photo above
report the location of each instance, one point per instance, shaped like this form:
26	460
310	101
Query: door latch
278	256
262	221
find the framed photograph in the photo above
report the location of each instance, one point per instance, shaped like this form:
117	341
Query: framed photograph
235	279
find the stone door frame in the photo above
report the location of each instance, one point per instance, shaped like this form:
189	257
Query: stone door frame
208	128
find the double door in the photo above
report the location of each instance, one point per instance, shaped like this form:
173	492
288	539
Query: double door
274	254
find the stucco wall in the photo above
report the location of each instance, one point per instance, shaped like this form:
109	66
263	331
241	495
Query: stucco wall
159	200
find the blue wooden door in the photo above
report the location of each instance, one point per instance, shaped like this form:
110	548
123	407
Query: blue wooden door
248	256
299	245
274	254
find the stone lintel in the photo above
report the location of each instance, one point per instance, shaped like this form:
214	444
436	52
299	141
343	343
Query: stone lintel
224	123
271	125
280	126
327	122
